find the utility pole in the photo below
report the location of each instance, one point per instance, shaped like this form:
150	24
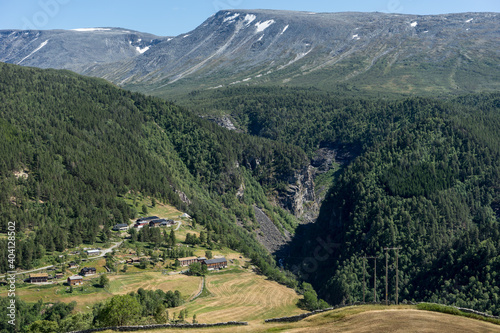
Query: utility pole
375	281
364	280
386	274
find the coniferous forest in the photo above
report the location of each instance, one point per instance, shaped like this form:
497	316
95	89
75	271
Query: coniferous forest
423	175
425	178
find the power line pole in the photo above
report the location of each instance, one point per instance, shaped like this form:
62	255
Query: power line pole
375	281
386	277
386	273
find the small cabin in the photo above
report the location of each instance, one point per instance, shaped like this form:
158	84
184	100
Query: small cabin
75	280
72	265
39	278
120	227
93	252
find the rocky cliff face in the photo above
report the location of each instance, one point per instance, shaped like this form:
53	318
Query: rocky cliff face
300	191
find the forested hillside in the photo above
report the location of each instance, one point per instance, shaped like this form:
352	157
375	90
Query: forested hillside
426	179
420	174
71	147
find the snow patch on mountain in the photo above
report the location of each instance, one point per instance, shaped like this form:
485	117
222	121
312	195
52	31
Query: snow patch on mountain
249	18
261	26
141	51
90	29
231	18
34	51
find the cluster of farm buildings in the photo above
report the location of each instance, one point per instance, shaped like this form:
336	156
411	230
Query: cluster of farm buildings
151	221
215	263
72	280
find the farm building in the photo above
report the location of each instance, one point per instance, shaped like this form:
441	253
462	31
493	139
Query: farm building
147	219
120	227
72	265
167	223
39	278
59	275
75	280
93	252
133	260
187	260
216	263
156	223
86	271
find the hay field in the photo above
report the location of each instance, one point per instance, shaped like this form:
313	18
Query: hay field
125	283
243	296
362	319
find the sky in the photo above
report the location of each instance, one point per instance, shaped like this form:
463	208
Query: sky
172	18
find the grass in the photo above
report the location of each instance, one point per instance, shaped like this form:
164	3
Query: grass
455	311
88	294
136	201
242	296
123	284
362	319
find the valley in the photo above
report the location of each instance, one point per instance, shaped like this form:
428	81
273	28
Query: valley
262	165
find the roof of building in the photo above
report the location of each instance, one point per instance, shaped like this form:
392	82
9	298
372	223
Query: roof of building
188	258
215	261
93	250
39	275
121	225
88	269
75	277
147	218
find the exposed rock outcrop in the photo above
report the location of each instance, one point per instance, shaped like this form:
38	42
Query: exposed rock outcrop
299	191
269	235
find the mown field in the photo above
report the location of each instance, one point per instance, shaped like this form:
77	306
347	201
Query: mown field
242	296
362	319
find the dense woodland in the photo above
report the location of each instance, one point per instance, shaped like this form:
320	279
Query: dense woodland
83	144
426	178
422	174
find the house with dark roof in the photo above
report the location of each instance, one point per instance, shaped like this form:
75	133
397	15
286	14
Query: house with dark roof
156	223
216	263
72	265
86	271
120	227
147	219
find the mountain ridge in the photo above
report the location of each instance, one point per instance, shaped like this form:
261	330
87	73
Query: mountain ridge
370	52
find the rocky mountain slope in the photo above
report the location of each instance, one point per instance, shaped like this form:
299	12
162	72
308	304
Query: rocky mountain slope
373	52
75	50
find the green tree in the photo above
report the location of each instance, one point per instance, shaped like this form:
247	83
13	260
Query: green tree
43	326
119	311
104	281
208	254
